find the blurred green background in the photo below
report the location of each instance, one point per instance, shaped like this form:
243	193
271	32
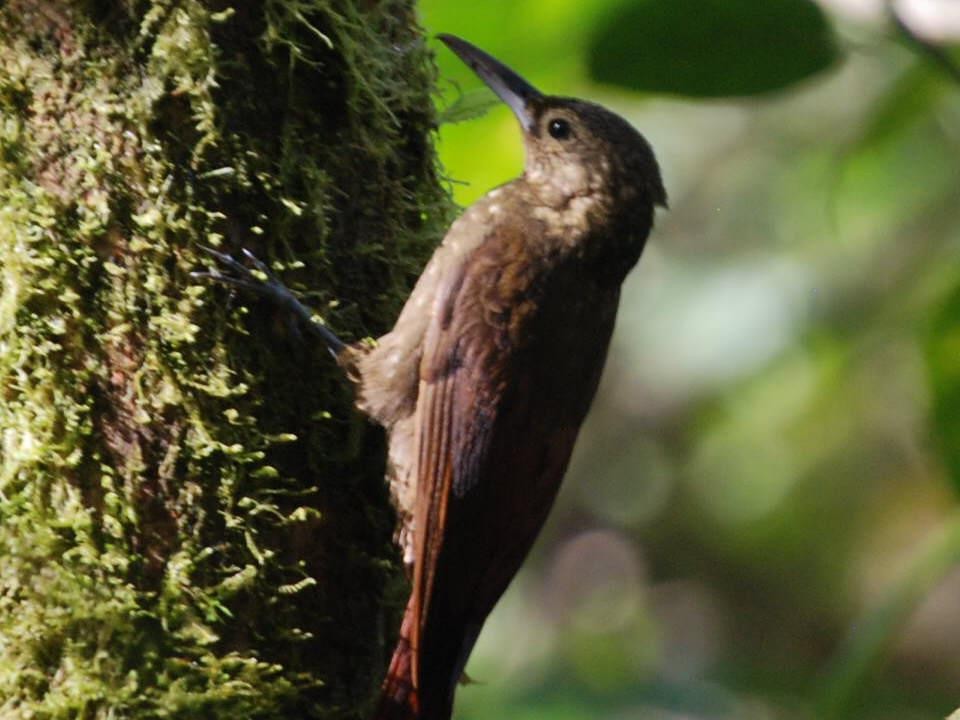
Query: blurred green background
761	518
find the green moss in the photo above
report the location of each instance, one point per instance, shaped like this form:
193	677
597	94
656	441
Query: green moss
193	522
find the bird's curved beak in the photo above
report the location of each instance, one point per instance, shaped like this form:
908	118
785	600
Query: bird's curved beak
516	92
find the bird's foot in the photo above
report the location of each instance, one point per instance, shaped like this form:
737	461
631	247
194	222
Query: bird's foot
260	281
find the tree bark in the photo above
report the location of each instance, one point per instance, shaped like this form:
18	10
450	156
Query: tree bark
193	521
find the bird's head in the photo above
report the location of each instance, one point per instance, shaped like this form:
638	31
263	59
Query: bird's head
574	148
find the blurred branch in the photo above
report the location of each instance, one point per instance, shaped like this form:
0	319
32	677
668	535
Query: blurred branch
934	53
873	634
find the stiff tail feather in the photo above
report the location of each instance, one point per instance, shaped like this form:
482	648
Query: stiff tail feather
398	697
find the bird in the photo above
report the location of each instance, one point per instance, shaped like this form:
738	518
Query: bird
485	379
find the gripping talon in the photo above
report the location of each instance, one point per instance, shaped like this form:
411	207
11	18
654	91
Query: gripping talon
279	294
244	278
224	258
257	262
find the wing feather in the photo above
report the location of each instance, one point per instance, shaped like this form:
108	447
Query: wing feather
454	416
495	423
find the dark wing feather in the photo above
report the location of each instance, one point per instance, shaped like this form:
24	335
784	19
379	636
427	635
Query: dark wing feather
450	448
504	384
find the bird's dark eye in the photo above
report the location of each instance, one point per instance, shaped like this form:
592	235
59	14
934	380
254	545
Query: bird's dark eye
559	129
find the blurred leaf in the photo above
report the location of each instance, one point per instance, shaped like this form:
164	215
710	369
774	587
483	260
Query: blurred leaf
913	97
891	177
872	635
943	361
469	106
939	56
711	48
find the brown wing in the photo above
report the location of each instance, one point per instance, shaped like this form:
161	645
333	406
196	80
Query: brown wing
511	360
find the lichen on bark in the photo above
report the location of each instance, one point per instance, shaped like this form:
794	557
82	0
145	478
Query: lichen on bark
193	522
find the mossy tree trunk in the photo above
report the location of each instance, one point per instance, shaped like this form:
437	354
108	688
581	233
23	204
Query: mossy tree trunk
193	521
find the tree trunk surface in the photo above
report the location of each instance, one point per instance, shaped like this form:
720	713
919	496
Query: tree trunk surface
193	520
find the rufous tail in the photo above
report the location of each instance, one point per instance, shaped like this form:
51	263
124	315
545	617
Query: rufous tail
398	697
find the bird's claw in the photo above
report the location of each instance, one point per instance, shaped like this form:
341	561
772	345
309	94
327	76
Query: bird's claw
257	262
233	272
262	282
